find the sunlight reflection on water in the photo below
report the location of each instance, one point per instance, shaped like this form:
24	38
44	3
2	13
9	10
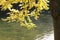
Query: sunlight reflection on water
47	37
50	37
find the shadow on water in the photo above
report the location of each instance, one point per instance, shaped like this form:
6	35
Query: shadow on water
13	31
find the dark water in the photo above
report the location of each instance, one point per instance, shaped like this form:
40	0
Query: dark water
13	31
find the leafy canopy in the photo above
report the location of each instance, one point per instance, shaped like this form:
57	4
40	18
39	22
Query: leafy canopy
28	9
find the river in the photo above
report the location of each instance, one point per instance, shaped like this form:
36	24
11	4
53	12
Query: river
47	37
13	31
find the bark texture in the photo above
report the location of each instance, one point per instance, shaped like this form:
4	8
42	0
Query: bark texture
55	12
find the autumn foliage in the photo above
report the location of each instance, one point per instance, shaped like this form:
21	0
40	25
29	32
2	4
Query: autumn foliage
23	16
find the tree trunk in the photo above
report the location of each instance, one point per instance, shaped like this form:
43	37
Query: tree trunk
55	12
